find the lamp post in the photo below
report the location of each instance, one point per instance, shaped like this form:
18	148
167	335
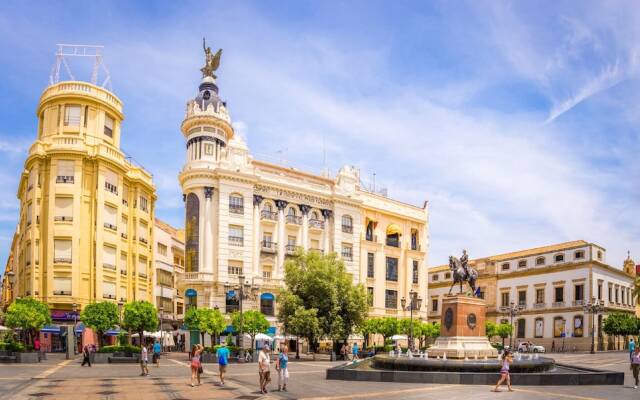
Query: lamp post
245	291
594	307
512	310
161	311
74	307
415	303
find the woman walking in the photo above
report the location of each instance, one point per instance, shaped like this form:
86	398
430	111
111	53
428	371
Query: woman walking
282	367
196	365
263	368
635	365
504	371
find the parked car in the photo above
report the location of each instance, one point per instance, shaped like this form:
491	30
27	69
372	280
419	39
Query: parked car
528	347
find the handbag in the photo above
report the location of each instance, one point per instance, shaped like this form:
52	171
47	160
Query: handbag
200	370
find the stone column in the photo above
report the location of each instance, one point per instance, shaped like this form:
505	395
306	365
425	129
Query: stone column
281	204
326	233
305	225
208	236
257	200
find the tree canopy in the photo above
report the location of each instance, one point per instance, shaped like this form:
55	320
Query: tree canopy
29	314
140	316
100	317
305	323
250	322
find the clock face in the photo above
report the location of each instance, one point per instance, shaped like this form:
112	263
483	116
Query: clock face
206	95
448	318
471	321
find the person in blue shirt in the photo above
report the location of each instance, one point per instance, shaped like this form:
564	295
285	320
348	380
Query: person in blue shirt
632	348
354	351
223	359
282	366
157	349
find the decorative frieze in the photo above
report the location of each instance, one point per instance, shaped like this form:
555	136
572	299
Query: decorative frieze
291	196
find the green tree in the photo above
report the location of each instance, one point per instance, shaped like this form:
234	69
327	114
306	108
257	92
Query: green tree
140	316
28	314
100	317
212	322
620	324
369	327
491	329
504	330
288	303
192	320
250	322
387	327
304	323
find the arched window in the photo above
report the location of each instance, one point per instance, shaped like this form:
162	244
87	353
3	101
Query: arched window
267	207
347	224
236	203
540	261
559	257
266	304
192	229
578	326
314	215
393	235
291	211
369	233
292	218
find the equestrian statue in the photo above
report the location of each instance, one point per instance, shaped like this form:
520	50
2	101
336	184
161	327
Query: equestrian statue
462	272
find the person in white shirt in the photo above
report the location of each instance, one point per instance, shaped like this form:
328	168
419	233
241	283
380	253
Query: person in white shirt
144	360
263	368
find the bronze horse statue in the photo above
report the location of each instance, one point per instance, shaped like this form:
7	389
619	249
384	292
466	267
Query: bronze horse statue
460	274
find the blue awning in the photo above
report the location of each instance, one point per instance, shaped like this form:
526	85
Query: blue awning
231	294
229	330
51	329
271	331
267	296
79	328
190	293
114	332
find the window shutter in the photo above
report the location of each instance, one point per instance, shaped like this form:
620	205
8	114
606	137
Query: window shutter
142	295
109	289
142	265
64	207
110	215
62	284
142	230
62	248
123	261
109	255
65	167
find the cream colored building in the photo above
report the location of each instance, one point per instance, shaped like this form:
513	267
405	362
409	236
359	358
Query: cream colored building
550	284
244	217
169	263
84	232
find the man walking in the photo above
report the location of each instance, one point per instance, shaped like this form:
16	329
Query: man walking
223	359
632	348
157	349
86	356
144	360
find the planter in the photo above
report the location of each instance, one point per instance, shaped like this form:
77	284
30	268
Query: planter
27	358
100	358
124	358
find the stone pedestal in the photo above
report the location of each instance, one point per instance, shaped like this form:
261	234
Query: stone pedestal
463	330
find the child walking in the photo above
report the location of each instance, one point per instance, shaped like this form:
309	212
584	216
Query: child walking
504	371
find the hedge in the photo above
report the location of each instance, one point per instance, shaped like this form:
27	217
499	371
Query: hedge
119	349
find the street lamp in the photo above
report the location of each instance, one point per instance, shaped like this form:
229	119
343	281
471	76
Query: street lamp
415	304
512	310
161	331
245	291
594	308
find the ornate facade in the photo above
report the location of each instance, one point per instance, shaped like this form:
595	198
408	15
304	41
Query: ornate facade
244	217
169	263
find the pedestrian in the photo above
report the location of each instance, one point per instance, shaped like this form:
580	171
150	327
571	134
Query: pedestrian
196	364
144	360
282	367
86	356
223	359
635	365
553	346
504	371
157	349
354	352
632	348
343	351
263	368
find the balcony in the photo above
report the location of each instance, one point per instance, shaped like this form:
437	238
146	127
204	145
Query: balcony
236	241
347	256
268	246
268	215
108	266
236	209
108	296
347	228
522	306
539	306
316	224
578	303
143	240
194	277
123	272
62	293
293	219
142	274
415	246
109	187
63	218
110	226
64	179
393	242
557	304
371	238
123	235
291	249
61	260
125	202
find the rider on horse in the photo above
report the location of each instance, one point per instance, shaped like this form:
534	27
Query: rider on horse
464	260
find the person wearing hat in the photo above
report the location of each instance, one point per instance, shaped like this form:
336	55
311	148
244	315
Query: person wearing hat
223	359
263	368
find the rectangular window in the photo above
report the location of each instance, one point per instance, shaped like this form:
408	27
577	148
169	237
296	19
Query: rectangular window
578	293
208	149
599	291
125	195
415	272
370	296
610	297
29	213
617	295
108	126
62	251
63	209
109	257
143	231
110	217
165	304
391	299
109	290
266	271
27	254
347	252
142	267
559	258
61	286
165	278
505	299
235	267
72	115
111	181
392	269
236	235
162	249
435	277
236	204
559	294
370	265
521	328
144	204
522	264
123	293
522	298
123	263
579	255
65	171
434	305
539	296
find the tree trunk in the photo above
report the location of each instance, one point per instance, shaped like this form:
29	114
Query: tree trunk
213	342
202	336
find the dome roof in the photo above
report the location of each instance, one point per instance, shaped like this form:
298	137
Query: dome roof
208	94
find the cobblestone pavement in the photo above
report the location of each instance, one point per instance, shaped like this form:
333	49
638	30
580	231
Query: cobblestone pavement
57	378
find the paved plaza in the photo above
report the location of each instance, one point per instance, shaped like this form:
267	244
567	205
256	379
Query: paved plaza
57	378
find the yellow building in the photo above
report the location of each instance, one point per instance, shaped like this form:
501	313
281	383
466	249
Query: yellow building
86	213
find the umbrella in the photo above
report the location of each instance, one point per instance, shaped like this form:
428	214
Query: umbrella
262	336
399	337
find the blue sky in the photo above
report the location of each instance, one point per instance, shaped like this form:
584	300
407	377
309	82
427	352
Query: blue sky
518	121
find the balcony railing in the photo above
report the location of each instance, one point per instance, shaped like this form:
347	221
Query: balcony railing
522	306
316	223
294	219
393	242
62	292
143	240
539	305
125	202
415	246
371	238
578	303
109	187
236	240
123	272
197	276
64	179
108	296
347	228
236	209
109	266
61	260
142	274
291	249
317	250
347	256
269	215
557	304
268	246
110	226
123	235
63	218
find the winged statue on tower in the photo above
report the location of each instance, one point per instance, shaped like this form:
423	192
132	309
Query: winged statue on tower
212	61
